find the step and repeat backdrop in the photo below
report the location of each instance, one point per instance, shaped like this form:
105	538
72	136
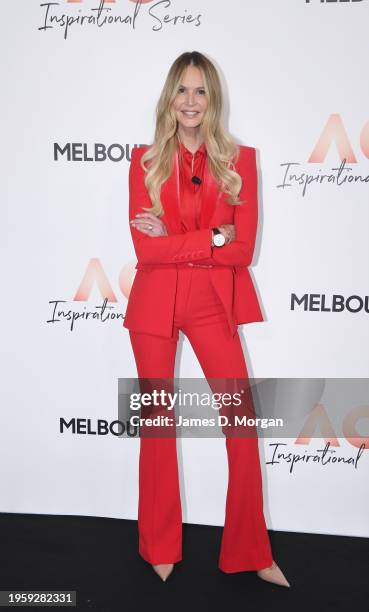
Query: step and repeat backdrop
80	81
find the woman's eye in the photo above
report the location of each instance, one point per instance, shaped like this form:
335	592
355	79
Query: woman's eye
202	92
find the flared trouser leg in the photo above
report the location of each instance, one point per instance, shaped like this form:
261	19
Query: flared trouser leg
159	502
159	509
245	543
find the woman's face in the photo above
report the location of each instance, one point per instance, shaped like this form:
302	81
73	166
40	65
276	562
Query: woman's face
191	101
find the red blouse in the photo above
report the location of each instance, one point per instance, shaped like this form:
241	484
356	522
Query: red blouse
190	194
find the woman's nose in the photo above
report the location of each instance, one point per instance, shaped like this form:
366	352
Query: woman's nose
190	98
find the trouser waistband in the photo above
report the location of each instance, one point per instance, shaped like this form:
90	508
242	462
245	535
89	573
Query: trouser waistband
184	264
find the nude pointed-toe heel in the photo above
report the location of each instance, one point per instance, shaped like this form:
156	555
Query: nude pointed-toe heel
273	574
163	570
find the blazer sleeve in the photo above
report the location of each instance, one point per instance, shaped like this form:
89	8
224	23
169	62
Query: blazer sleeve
241	250
189	246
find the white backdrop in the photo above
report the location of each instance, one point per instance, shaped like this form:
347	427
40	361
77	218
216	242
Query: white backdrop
294	75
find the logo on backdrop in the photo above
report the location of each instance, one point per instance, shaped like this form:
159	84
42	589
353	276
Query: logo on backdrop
96	152
95	282
320	302
334	134
155	15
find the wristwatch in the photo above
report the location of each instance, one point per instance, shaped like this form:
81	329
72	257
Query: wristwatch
218	238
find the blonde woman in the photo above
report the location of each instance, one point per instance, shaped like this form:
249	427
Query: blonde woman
193	219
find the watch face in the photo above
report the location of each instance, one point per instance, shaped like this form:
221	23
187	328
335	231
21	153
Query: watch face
219	240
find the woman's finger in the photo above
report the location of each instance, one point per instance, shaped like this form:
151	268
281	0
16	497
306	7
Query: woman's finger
145	224
148	216
145	229
157	229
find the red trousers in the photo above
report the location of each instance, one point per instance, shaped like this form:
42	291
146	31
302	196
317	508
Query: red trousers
245	545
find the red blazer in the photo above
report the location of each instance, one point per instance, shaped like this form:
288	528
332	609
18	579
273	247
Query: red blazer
151	300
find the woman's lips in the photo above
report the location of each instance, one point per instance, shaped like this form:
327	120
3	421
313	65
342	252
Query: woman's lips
190	113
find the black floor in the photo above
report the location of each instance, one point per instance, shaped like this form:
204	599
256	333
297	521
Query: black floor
98	558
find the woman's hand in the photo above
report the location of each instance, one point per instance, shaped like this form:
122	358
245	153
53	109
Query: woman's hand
145	221
228	231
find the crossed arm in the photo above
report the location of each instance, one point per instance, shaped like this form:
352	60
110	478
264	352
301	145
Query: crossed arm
196	245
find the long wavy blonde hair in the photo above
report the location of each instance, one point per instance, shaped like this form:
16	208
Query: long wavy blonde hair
222	150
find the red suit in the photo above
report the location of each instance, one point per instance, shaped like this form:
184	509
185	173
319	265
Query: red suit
182	283
160	255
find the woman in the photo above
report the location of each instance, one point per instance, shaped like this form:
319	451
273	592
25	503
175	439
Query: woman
193	218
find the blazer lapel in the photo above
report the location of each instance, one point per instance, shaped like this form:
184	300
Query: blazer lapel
210	196
170	197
